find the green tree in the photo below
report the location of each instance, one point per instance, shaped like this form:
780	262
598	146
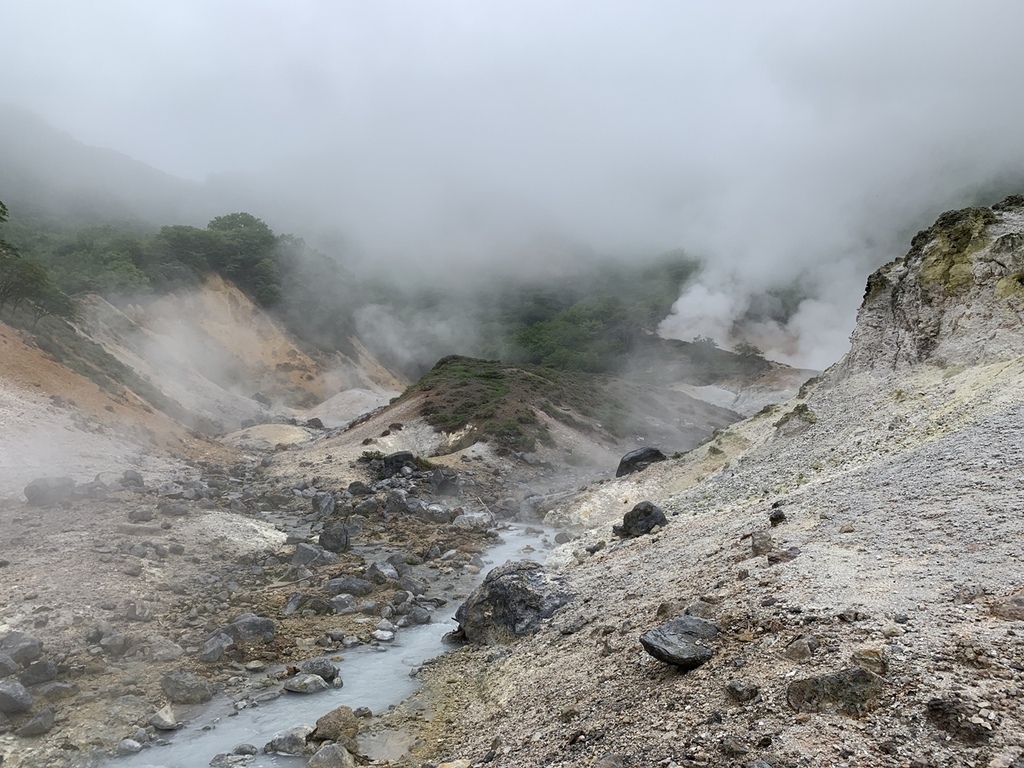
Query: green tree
51	300
20	280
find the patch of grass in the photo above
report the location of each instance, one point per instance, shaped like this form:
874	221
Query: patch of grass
498	402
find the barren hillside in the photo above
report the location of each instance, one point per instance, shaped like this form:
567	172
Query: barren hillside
857	550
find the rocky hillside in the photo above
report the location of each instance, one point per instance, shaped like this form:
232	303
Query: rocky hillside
838	581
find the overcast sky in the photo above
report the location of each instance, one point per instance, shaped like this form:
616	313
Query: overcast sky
778	139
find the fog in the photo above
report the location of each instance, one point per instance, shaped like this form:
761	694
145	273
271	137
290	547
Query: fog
783	142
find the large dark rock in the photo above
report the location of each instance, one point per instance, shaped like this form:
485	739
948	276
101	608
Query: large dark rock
853	691
291	742
40	723
8	666
319	666
183	687
332	756
348	585
681	642
394	462
41	671
250	628
511	602
640	520
47	491
334	537
23	648
641	458
14	697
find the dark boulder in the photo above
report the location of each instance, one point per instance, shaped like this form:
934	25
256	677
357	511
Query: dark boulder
40	723
14	697
183	687
250	628
319	666
350	585
48	491
394	463
132	479
640	520
334	537
323	503
41	671
359	488
511	602
8	666
641	458
23	648
681	642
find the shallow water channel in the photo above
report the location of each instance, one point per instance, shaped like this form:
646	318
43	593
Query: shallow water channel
376	676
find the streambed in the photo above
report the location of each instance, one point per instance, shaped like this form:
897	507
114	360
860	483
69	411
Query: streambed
376	676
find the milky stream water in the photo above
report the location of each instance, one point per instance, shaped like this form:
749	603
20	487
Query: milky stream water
376	676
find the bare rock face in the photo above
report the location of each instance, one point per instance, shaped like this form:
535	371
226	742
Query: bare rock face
957	297
511	602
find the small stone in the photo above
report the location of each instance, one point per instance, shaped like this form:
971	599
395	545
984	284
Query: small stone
776	516
332	756
802	648
741	691
761	543
847	528
291	742
14	697
734	747
777	556
305	683
164	720
41	722
225	760
127	747
610	760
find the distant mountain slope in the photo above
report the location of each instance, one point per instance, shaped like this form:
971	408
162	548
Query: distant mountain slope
47	173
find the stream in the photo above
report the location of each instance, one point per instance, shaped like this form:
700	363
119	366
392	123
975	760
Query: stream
376	676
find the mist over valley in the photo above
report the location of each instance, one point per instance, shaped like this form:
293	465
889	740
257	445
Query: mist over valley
457	384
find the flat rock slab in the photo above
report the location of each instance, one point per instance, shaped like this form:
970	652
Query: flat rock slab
681	642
